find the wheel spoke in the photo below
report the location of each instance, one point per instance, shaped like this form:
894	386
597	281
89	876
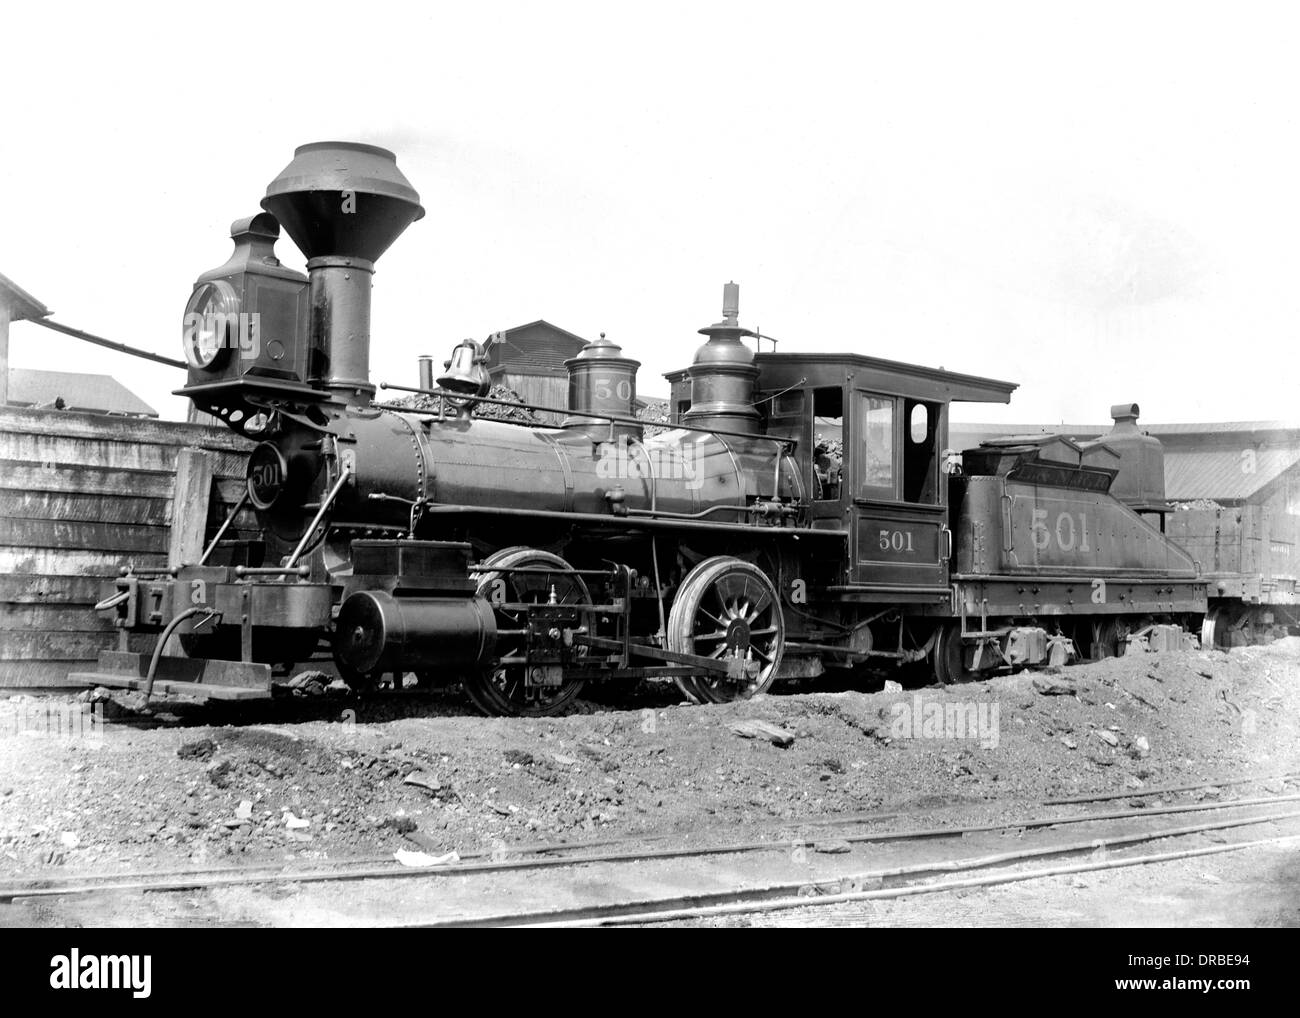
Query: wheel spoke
712	618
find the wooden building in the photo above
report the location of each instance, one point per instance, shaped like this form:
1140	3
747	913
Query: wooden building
529	359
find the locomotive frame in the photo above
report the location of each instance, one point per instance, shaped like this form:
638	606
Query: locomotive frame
435	541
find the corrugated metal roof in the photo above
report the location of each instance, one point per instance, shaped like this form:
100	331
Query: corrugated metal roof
96	394
1096	430
1224	474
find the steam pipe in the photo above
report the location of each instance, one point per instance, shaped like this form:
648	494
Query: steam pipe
617	418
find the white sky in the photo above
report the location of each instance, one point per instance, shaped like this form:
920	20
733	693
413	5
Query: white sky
1100	202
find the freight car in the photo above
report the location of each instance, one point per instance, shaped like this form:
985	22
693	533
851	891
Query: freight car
1248	555
727	552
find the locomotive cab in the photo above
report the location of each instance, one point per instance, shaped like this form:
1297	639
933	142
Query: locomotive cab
871	437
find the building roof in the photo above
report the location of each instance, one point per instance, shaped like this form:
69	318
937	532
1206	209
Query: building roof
535	348
1232	428
22	305
96	394
1224	474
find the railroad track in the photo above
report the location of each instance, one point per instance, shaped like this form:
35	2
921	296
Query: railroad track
789	897
634	851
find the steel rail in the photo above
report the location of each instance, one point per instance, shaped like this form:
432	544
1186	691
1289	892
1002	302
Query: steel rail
1018	876
192	880
757	899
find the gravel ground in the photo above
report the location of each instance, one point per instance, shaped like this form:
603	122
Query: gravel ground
337	777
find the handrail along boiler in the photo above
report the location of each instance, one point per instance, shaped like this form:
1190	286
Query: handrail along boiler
800	510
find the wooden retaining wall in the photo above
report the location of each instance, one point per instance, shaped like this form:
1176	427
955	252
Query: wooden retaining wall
82	495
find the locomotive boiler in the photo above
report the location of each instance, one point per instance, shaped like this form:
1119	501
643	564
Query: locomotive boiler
731	549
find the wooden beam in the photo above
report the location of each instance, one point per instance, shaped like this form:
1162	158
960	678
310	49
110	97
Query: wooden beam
4	353
190	502
189	516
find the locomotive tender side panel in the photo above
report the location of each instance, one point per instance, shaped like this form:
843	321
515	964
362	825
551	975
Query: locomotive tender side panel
1013	527
1028	549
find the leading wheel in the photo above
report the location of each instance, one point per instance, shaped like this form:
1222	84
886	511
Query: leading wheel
502	689
727	609
359	682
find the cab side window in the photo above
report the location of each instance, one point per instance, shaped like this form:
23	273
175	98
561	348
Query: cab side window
828	442
921	452
876	445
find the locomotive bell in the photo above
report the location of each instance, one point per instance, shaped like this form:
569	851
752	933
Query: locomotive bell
343	204
466	375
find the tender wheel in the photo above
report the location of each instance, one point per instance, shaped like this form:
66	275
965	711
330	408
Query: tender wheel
728	608
1109	638
1215	630
949	656
502	690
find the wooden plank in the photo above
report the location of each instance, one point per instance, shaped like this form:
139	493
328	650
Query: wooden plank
190	504
61	590
22	475
23	479
63	562
114	538
50	505
53	669
4	352
56	450
55	645
124	429
69	618
40	674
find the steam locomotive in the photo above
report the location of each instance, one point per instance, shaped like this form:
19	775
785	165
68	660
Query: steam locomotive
800	511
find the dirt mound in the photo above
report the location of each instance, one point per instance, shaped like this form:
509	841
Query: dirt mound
370	782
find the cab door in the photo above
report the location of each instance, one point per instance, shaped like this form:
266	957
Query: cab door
899	540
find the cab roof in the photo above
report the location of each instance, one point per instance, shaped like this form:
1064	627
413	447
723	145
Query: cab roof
788	370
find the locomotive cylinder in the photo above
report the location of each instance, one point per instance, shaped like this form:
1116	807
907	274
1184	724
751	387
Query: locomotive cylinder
377	632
